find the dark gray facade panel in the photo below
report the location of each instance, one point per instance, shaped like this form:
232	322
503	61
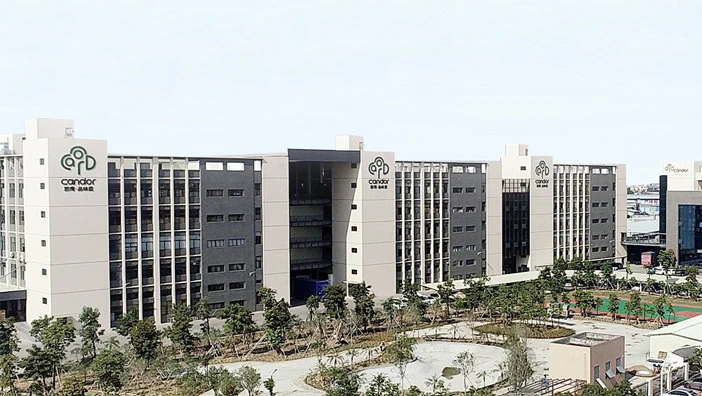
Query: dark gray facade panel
226	230
602	215
467	228
324	155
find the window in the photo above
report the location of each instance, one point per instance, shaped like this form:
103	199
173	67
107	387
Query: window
457	190
597	372
458	209
43	242
41	161
471	169
618	363
237	302
215	218
595	204
470	209
215	243
237	285
354	250
354	228
237	267
604	204
354	165
595	249
214	166
258	240
522	168
457	249
604	248
595	237
235	166
457	263
43	271
608	366
596	188
595	221
215	268
215	287
605	188
214	193
354	207
604	220
457	229
217	305
238	217
236	192
470	248
354	272
257	213
470	262
42	214
470	228
44	301
42	186
470	189
237	242
353	185
259	262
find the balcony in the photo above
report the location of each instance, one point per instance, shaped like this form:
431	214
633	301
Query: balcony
309	242
644	239
309	221
304	201
309	263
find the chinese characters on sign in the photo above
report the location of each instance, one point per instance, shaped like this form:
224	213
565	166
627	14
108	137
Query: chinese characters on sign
78	189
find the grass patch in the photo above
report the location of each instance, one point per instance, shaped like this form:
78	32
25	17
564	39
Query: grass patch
450	372
528	330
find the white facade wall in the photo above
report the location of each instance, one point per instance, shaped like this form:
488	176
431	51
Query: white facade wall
276	224
67	249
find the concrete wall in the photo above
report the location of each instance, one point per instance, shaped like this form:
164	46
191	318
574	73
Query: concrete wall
494	218
669	342
569	361
621	211
71	242
541	214
276	224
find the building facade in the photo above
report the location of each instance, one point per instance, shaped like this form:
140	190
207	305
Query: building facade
592	357
680	218
127	232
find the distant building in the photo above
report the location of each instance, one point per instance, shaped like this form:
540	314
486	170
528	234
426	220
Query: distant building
591	357
669	338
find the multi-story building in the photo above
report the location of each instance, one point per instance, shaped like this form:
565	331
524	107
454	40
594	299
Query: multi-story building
118	232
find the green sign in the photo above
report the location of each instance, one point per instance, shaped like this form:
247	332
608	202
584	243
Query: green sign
78	159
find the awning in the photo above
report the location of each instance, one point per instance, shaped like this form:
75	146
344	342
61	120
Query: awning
620	369
610	374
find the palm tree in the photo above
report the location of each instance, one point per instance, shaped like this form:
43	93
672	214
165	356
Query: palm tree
483	375
353	353
336	359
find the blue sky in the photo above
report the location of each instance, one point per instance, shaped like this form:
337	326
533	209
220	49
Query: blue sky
588	81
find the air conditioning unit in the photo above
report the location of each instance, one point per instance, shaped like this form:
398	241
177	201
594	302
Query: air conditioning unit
12	254
21	256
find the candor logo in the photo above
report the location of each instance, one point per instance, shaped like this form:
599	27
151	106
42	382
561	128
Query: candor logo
78	158
541	169
671	168
378	167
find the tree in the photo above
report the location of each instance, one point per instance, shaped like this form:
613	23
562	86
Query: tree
180	332
128	321
145	339
666	259
108	367
633	306
380	385
401	352
277	322
90	332
204	313
692	285
237	320
613	307
250	379
72	387
9	345
335	301
410	292
584	300
312	305
660	304
466	362
267	296
607	274
54	336
446	291
436	386
364	302
269	384
518	367
343	382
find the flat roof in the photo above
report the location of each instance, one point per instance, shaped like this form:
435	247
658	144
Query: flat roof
351	156
587	339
